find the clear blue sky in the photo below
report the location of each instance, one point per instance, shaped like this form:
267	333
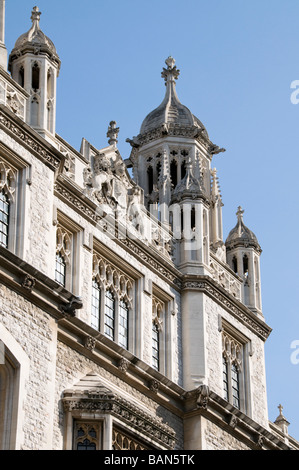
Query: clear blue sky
237	60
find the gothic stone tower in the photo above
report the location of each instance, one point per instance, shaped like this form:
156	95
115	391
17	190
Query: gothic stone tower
126	321
171	160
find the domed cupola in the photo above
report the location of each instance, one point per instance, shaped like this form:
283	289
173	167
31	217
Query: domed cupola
171	111
34	41
241	236
34	64
243	256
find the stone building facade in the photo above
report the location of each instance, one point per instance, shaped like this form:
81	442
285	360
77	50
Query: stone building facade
126	321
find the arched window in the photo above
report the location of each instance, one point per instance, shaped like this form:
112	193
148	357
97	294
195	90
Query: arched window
193	218
63	265
174	173
150	179
155	346
60	269
225	378
35	77
245	265
235	264
235	386
232	363
182	219
109	316
123	323
7	390
4	219
95	305
21	76
86	436
183	169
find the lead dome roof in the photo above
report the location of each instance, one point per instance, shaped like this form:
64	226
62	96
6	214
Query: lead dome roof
171	110
241	235
35	40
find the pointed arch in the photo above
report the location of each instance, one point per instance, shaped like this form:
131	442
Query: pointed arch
14	374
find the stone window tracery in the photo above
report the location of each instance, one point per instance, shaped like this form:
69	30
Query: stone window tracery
157	322
116	289
8	182
232	357
63	254
87	435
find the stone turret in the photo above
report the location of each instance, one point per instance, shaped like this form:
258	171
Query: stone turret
34	64
243	256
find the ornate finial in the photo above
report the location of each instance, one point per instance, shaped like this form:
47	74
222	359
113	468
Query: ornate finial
240	213
35	15
171	73
281	421
112	133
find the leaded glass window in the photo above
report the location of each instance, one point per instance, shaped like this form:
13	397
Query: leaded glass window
225	379
235	386
60	269
95	305
232	363
86	436
4	219
155	346
123	324
109	314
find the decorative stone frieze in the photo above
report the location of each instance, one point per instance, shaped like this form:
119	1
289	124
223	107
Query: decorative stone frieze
104	401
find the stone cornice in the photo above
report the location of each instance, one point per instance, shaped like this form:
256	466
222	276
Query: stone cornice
129	413
173	130
208	286
30	139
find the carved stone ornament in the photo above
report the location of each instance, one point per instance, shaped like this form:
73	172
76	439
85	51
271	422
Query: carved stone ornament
28	283
72	306
203	393
123	365
154	385
260	440
233	421
90	343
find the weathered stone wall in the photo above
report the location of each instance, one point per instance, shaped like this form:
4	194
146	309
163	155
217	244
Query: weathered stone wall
35	332
216	438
